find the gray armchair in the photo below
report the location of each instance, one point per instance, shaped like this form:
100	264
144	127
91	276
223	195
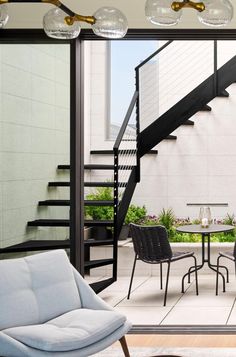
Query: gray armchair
47	309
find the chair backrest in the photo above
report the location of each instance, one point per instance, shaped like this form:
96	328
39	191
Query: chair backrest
234	250
151	243
36	289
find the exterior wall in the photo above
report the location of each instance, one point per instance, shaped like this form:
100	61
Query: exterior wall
97	97
34	126
199	166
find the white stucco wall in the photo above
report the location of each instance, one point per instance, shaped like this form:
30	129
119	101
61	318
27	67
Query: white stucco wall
200	165
34	127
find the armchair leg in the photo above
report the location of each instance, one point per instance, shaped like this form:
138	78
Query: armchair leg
124	346
132	276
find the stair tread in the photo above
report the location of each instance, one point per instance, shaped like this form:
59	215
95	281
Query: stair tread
111	152
49	222
86	184
97	242
100	285
54	203
223	94
63	167
97	167
91	223
99	202
56	222
98	263
171	137
188	122
206	108
59	183
34	245
67	203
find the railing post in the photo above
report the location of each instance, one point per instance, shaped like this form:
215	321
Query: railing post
137	124
116	203
215	69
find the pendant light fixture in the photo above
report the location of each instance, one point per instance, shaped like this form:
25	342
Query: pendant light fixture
168	12
63	23
109	22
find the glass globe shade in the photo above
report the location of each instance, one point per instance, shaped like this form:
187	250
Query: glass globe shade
55	26
159	12
216	13
110	23
3	15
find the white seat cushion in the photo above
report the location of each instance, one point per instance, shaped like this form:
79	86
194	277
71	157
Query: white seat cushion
71	331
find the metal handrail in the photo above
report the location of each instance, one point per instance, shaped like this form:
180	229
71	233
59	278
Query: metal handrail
153	55
125	122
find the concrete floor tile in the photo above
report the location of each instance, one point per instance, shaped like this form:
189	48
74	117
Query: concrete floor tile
197	316
112	299
144	315
150	298
122	284
232	316
205	298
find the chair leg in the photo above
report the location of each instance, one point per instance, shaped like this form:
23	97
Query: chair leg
217	274
124	346
132	276
167	281
196	278
161	281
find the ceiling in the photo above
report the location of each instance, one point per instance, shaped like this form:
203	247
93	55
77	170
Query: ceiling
31	15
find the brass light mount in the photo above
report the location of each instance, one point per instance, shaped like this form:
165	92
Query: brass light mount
76	17
179	5
70	19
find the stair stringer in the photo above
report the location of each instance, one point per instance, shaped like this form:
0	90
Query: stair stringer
186	107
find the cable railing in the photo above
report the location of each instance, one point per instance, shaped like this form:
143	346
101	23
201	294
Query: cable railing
173	76
125	160
174	71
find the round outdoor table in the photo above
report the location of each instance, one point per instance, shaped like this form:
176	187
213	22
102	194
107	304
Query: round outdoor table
206	233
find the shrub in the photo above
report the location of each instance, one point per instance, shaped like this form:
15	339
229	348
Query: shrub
100	212
135	214
167	218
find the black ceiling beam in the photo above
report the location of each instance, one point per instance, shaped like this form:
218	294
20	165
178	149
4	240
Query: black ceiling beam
168	34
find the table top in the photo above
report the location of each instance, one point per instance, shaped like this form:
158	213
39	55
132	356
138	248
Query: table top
197	228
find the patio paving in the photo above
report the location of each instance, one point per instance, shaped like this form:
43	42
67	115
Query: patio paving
146	302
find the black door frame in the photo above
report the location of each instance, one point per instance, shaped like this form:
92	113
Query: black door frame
32	36
175	34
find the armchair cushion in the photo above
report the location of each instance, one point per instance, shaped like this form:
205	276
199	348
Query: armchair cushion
36	289
73	330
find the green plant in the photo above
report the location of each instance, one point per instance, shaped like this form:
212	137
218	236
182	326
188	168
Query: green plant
100	212
167	218
135	214
229	219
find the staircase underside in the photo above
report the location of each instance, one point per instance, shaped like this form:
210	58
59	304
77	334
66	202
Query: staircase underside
186	108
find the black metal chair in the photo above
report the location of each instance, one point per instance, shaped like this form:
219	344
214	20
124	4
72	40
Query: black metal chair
151	245
228	255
